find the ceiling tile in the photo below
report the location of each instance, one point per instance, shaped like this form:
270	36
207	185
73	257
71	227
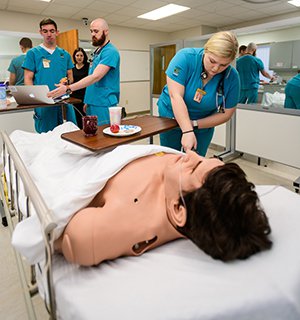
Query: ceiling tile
214	13
149	5
130	11
35	10
104	5
88	13
75	3
115	18
60	11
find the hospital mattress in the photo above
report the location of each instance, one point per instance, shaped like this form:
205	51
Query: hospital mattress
179	281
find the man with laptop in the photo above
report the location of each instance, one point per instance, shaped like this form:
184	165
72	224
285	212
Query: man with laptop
47	64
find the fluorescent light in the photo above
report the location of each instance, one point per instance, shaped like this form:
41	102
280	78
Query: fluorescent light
46	0
163	12
295	3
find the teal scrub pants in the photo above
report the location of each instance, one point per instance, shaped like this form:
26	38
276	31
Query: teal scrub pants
47	118
248	96
172	139
101	112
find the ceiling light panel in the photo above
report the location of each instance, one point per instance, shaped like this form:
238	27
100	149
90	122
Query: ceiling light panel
163	12
295	3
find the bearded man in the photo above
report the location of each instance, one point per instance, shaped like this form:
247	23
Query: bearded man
103	81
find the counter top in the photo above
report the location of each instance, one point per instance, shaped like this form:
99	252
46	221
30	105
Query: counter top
262	108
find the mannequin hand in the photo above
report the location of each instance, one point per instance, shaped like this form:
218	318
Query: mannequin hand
189	141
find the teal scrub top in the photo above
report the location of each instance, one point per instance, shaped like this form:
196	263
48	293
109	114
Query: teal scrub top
295	81
292	93
48	68
106	91
16	68
186	68
248	68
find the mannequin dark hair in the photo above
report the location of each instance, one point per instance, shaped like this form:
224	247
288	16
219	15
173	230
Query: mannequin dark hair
224	217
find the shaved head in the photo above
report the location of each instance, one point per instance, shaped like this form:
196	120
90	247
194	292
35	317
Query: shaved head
99	32
100	24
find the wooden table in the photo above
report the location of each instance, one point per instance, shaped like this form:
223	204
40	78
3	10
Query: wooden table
14	107
151	125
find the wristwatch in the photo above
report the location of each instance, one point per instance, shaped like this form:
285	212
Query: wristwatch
68	91
195	124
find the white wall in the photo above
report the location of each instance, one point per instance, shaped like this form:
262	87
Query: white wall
271	36
134	95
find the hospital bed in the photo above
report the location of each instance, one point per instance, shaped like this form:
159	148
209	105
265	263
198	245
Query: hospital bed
174	281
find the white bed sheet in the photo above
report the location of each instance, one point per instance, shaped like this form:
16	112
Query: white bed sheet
67	176
179	281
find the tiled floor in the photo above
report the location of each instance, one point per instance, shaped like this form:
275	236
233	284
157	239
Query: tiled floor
12	306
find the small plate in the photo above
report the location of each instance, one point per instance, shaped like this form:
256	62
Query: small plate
125	130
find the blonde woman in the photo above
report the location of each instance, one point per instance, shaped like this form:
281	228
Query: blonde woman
202	92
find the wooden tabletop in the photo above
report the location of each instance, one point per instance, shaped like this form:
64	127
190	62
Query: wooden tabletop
151	125
14	107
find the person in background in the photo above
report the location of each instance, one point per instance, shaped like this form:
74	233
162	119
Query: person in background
202	92
242	50
249	68
204	200
48	64
80	70
292	93
103	81
16	76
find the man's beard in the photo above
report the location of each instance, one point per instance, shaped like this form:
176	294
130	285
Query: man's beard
99	42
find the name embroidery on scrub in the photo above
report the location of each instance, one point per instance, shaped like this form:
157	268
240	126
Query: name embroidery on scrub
46	63
176	71
199	95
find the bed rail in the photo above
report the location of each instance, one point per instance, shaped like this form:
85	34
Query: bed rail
18	175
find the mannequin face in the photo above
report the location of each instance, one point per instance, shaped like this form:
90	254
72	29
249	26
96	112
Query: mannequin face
188	173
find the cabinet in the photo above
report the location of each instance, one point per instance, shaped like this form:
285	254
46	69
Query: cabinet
285	55
296	55
281	55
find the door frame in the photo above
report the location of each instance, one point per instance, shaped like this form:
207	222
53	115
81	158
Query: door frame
179	45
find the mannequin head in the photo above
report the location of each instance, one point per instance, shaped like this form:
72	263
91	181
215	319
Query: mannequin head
224	217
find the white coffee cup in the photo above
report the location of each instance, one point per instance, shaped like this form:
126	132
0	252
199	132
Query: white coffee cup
115	114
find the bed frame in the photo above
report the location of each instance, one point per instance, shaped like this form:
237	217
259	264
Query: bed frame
12	176
206	288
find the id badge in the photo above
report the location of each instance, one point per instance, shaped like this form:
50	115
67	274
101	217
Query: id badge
199	95
46	63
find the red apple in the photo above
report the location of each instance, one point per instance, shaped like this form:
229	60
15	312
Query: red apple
114	128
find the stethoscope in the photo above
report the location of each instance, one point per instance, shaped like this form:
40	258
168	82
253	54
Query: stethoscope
98	50
220	89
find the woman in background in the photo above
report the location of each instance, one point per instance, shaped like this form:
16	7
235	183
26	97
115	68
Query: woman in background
202	92
80	70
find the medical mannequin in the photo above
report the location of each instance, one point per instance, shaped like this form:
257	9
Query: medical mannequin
144	206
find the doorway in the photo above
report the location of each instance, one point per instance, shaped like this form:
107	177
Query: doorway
160	57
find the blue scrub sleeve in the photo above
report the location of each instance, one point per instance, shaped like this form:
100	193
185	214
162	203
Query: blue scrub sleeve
178	68
110	58
29	62
70	64
260	64
232	89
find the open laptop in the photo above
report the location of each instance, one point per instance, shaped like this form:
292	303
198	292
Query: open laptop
33	95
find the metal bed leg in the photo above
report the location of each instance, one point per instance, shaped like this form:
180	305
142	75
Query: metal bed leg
296	184
3	217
